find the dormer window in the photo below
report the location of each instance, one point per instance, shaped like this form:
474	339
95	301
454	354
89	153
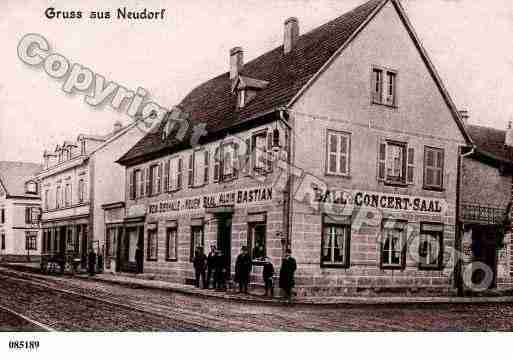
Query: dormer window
31	187
241	98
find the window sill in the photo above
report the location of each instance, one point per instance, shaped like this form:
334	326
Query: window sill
334	266
395	183
434	189
392	267
430	267
329	174
391	106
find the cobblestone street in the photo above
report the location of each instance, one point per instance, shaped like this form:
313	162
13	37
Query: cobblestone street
74	304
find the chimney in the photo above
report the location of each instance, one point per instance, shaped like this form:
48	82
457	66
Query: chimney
508	141
464	116
117	127
291	34
236	62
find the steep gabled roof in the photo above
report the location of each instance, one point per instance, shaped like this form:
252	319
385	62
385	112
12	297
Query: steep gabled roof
14	175
213	104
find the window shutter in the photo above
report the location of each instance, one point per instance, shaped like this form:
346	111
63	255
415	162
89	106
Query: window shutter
131	184
440	160
180	174
381	160
269	154
207	166
235	159
381	249
247	158
216	164
403	248
148	181
166	176
410	165
27	215
190	176
159	178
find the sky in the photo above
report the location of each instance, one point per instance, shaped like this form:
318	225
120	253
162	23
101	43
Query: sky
469	41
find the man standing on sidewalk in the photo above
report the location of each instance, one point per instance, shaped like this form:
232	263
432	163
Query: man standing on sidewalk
200	265
287	270
92	262
211	264
243	269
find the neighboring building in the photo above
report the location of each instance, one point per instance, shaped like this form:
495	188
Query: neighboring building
358	110
77	178
486	198
20	210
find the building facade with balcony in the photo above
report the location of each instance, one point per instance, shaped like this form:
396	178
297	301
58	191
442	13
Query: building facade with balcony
342	145
20	210
485	208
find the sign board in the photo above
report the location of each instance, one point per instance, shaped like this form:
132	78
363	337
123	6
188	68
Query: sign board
235	198
384	201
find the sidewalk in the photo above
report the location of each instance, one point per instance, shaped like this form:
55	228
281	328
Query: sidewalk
133	281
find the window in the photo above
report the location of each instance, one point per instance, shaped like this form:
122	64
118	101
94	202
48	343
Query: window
31	241
47	198
136	184
28	215
384	87
393	245
171	243
70	244
338	146
3	215
190	172
430	246
81	190
155	180
67	194
229	161
261	152
83	147
152	244
395	163
174	174
336	234
197	239
200	171
377	85
3	241
257	239
241	98
433	168
31	187
58	199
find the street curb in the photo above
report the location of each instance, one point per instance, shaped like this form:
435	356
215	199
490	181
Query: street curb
313	301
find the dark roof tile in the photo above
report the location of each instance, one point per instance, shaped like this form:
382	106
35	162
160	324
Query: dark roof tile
213	103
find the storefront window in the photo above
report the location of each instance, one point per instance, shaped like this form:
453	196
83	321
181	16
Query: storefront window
70	245
152	244
335	244
393	246
257	240
430	246
31	241
171	244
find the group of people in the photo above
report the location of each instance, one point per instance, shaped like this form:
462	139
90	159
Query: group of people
214	266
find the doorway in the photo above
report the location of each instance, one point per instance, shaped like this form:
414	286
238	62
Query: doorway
133	238
484	249
224	238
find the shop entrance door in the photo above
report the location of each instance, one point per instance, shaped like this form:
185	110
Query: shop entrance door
224	239
484	249
132	239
